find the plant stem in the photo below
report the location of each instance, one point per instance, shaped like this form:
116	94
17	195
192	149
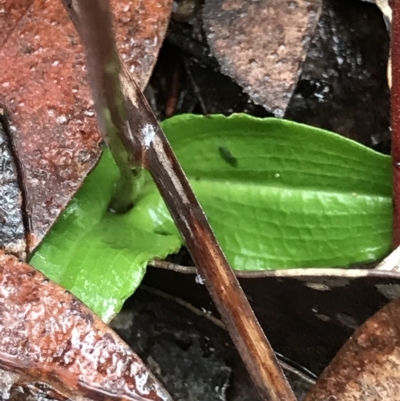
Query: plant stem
147	145
103	70
395	109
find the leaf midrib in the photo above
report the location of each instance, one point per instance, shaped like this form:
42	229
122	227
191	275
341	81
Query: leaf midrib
243	185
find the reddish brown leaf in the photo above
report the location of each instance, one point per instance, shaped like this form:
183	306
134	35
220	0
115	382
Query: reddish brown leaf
11	11
48	336
262	44
47	101
367	368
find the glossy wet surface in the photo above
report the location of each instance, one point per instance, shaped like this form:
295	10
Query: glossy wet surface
46	100
48	336
343	85
12	230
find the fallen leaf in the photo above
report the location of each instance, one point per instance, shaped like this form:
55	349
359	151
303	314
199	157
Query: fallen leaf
12	12
367	367
12	230
343	64
46	99
48	336
262	44
343	84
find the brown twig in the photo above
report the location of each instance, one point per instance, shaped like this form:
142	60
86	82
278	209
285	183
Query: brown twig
395	109
163	264
147	144
157	157
173	93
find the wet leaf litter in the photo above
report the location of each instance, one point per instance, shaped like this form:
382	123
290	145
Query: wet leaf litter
47	103
272	60
227	158
367	366
48	336
45	369
12	226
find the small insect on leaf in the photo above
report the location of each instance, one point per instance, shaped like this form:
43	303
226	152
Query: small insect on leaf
227	156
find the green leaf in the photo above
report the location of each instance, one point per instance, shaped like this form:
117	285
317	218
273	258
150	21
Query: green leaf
280	194
100	258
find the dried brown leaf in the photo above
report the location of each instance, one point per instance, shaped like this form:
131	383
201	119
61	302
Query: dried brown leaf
47	101
367	367
48	336
262	44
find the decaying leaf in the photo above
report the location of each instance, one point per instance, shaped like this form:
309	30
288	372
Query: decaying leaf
11	12
262	44
48	336
12	230
47	101
367	368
